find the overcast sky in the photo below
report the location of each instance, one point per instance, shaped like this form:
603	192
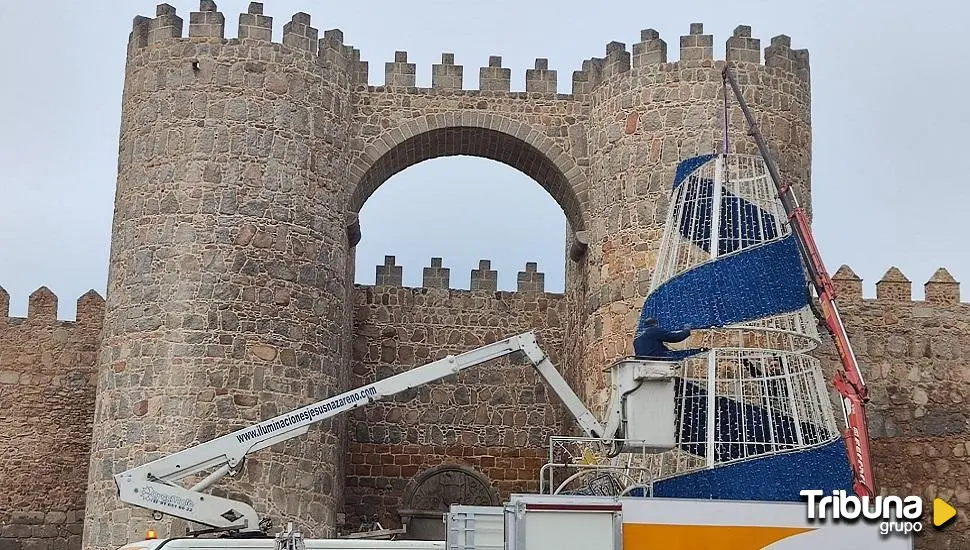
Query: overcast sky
889	121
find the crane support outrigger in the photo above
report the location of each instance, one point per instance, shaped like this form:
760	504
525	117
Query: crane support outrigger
848	382
156	485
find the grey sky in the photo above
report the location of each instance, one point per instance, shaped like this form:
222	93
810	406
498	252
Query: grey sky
890	121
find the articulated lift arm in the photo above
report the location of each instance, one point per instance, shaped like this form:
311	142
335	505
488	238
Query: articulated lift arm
849	381
156	485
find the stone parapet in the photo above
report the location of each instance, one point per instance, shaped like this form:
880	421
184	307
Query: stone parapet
940	289
649	54
208	25
42	309
696	51
436	276
47	396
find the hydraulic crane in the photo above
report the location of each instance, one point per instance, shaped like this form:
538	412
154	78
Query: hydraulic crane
158	485
848	382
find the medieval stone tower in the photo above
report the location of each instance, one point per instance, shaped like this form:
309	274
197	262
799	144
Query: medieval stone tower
243	163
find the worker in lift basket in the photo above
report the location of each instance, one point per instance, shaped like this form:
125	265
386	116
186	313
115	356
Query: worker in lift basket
650	343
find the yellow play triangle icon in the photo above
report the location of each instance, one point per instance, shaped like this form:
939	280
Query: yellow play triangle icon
942	512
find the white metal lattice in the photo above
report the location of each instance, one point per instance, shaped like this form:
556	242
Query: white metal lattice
757	391
696	209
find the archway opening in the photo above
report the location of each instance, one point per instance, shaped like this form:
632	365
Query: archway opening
525	150
462	194
463	209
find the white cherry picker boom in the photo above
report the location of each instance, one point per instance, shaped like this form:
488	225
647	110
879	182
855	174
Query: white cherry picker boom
158	485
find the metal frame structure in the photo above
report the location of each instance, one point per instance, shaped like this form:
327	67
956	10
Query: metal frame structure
575	461
733	174
756	390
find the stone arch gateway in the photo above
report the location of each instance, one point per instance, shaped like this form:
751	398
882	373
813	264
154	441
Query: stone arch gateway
243	160
487	135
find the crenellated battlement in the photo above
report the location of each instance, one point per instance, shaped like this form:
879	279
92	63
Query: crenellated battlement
649	53
895	287
208	25
436	276
696	49
42	309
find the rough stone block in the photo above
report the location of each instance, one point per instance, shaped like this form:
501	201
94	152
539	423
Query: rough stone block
436	276
650	50
362	73
42	306
894	286
253	25
742	48
140	27
495	78
617	60
780	54
541	79
165	26
446	75
90	308
586	80
696	46
484	278
848	285
332	51
389	274
531	280
207	23
942	288
299	34
400	73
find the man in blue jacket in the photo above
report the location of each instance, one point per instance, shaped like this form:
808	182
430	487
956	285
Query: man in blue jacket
650	344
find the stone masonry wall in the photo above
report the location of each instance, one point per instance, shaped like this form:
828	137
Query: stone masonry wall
227	296
495	418
915	356
47	386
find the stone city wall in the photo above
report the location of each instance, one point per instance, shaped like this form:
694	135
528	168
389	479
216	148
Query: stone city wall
495	418
47	393
915	356
243	163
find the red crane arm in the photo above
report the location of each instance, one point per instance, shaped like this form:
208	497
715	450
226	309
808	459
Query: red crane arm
848	382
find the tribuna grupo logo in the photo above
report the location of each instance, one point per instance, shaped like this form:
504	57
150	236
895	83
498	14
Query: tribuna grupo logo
893	514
